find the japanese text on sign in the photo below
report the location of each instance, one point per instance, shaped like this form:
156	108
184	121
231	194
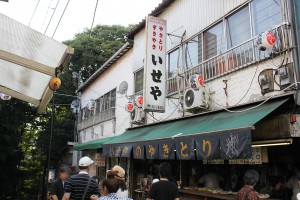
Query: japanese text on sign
155	67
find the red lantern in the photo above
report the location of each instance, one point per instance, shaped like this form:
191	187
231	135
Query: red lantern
265	41
129	107
196	81
139	101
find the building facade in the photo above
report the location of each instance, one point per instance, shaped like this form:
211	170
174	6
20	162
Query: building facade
215	39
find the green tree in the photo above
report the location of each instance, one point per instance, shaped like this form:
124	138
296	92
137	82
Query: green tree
25	136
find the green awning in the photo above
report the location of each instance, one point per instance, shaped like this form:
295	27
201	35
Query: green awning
201	124
95	144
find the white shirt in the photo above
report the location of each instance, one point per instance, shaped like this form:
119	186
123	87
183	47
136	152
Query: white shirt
122	194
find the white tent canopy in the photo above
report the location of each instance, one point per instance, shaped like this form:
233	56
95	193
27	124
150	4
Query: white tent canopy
28	60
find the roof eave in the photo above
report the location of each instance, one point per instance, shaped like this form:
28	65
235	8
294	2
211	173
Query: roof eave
157	11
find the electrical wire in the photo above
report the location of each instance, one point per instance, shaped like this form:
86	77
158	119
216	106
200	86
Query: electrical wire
34	12
60	18
46	14
51	16
240	111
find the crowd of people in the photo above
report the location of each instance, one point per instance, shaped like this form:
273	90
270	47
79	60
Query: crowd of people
83	187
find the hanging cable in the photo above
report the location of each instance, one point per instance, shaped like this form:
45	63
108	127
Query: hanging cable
60	18
51	16
46	14
33	13
240	111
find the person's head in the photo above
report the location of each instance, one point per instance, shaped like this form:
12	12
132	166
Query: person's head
110	184
96	178
251	177
120	175
165	170
85	163
64	172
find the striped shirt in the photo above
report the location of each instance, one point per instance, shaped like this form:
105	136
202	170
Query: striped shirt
76	186
113	196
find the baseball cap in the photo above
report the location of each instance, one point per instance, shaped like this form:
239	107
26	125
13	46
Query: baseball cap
120	172
85	161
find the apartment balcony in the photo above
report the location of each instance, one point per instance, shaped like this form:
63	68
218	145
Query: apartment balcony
97	118
236	58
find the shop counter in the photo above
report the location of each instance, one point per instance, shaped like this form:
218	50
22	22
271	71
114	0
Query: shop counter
187	194
194	194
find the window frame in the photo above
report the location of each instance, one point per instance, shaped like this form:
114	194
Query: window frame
135	80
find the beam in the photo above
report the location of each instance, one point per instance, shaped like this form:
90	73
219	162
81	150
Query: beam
47	96
30	64
19	95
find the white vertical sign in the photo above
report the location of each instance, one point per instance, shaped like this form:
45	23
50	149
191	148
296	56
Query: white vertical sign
155	65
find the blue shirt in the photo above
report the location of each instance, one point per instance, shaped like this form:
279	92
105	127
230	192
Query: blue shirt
113	196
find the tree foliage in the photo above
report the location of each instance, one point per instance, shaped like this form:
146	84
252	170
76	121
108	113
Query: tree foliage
25	136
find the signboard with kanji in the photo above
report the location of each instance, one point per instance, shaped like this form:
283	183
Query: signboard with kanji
155	65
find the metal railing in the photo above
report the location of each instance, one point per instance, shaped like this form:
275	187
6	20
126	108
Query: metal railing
233	59
97	118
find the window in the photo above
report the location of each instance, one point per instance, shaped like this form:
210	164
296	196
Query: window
97	110
238	30
138	80
172	63
86	113
213	41
192	53
266	14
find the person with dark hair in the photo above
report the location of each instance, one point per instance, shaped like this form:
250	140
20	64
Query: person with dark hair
110	187
164	189
120	175
81	186
251	178
58	185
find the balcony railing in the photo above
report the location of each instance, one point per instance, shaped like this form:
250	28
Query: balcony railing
233	59
97	118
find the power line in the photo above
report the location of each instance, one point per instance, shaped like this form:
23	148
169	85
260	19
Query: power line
52	16
34	12
60	18
46	14
94	16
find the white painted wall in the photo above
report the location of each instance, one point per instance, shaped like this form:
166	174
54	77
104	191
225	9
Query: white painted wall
194	16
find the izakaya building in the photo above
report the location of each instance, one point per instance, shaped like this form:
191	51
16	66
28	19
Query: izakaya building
198	83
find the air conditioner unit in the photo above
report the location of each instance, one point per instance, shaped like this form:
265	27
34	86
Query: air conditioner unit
137	116
194	101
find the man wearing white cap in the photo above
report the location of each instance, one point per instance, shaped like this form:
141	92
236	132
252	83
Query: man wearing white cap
81	186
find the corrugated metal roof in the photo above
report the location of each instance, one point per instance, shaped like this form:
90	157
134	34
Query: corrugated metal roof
126	47
158	10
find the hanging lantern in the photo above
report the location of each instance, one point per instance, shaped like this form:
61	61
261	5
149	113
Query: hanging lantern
55	84
129	107
196	81
139	101
265	41
5	97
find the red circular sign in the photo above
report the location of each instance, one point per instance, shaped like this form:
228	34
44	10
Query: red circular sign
129	107
270	38
200	80
140	100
